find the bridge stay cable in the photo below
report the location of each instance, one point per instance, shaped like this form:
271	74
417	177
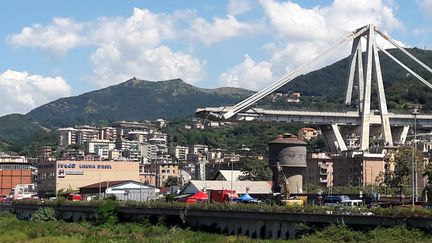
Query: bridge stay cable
424	81
403	50
289	77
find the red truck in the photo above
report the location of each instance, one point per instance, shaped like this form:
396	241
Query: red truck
74	197
222	196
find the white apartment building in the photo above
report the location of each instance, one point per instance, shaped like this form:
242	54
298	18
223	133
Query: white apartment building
148	152
108	133
179	152
94	144
127	145
140	136
123	128
160	140
216	154
67	136
198	149
86	133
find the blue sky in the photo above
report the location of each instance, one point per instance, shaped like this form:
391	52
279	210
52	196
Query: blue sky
52	49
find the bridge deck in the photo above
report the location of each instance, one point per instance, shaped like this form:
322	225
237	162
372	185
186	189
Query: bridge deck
316	117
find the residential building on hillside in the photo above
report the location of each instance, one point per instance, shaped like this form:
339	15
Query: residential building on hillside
140	136
319	170
198	149
44	152
73	154
156	174
93	145
114	154
67	136
160	140
216	154
179	152
86	133
356	171
107	133
200	170
308	133
148	152
124	144
160	122
123	128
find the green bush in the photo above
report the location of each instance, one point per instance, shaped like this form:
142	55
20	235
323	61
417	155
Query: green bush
44	214
106	213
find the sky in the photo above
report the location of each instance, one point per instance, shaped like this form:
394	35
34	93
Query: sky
51	49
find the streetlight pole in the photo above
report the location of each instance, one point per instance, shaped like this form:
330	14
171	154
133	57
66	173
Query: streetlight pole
414	112
415	152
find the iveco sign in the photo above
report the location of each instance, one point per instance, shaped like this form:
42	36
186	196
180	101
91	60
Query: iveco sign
83	166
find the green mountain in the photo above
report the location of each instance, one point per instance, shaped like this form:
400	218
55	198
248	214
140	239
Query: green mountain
134	100
18	131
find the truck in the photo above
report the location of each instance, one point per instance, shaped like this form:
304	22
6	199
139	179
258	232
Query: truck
222	196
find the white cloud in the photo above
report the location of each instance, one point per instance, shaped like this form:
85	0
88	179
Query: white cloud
221	29
291	20
248	74
22	92
236	7
124	47
426	6
63	34
113	66
143	28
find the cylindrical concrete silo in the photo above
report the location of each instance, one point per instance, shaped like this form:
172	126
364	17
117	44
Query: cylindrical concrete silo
287	159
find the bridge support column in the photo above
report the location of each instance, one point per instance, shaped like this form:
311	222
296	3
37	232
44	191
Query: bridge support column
339	138
401	133
366	116
385	122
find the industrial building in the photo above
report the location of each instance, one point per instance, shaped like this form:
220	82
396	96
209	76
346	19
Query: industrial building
70	175
14	170
123	190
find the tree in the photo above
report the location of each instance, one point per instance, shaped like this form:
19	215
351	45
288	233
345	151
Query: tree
171	181
401	175
428	174
316	144
256	170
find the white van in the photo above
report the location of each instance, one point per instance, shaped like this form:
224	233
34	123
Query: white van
352	203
